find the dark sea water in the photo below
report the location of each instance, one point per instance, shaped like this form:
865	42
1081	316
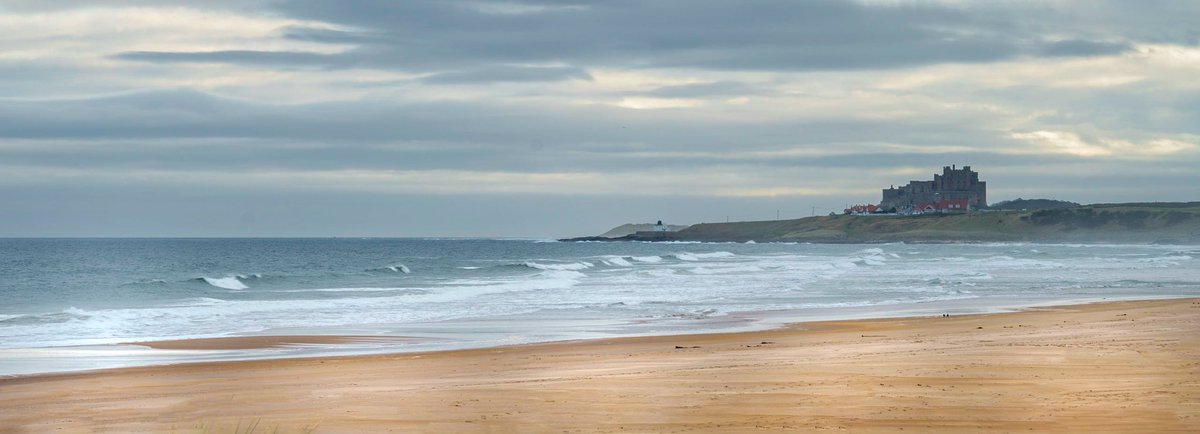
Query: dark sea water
63	302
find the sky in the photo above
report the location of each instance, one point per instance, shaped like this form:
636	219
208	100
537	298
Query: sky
539	118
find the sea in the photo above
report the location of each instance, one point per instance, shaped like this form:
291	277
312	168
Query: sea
83	304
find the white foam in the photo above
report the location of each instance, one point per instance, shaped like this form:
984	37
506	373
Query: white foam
197	301
1017	263
470	282
180	320
726	270
691	257
872	257
714	255
573	266
870	260
400	268
349	289
1172	259
845	265
230	282
555	290
549	280
617	261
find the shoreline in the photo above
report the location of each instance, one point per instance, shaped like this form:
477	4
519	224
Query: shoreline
303	346
1059	347
259	342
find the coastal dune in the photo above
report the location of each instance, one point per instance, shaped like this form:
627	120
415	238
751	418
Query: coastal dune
1107	367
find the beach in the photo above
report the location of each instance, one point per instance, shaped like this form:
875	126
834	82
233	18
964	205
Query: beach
1105	367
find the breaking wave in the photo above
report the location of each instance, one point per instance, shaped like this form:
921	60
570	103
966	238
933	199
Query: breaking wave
872	257
624	287
616	261
573	266
727	270
691	257
396	268
230	282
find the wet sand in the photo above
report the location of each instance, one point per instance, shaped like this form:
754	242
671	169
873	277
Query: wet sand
1111	367
258	342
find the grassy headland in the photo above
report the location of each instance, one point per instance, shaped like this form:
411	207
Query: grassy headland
1116	223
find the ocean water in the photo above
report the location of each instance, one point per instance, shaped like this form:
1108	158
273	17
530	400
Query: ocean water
65	302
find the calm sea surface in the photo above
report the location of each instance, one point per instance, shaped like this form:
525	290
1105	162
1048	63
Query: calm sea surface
63	302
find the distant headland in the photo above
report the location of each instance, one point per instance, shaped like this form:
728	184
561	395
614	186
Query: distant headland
951	208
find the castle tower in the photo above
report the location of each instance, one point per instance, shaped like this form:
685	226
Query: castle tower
953	184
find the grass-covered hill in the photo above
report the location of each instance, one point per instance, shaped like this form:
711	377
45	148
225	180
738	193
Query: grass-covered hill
1031	204
1117	223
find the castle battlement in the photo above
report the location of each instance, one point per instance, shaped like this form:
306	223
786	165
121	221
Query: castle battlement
954	186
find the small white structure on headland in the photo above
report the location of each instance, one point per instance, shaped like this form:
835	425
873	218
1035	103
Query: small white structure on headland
660	227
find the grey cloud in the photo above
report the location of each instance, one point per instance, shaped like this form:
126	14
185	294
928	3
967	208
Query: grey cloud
696	90
432	36
250	57
188	130
1072	48
509	74
1152	21
1150	107
193	138
189	114
332	36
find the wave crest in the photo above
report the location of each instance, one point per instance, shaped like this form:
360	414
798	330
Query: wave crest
394	268
617	261
571	266
685	256
230	282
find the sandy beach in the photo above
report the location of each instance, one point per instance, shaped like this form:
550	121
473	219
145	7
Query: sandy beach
1109	367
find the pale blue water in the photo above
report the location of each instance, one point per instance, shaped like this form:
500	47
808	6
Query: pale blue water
63	302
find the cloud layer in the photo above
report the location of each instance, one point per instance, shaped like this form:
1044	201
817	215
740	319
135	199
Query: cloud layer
747	106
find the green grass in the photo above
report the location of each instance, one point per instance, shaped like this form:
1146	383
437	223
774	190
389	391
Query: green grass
1133	223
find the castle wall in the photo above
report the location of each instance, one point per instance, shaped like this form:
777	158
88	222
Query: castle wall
952	184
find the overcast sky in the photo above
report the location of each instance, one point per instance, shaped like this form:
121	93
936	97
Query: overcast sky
543	118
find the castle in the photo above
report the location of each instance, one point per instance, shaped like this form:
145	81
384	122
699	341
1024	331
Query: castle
954	190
